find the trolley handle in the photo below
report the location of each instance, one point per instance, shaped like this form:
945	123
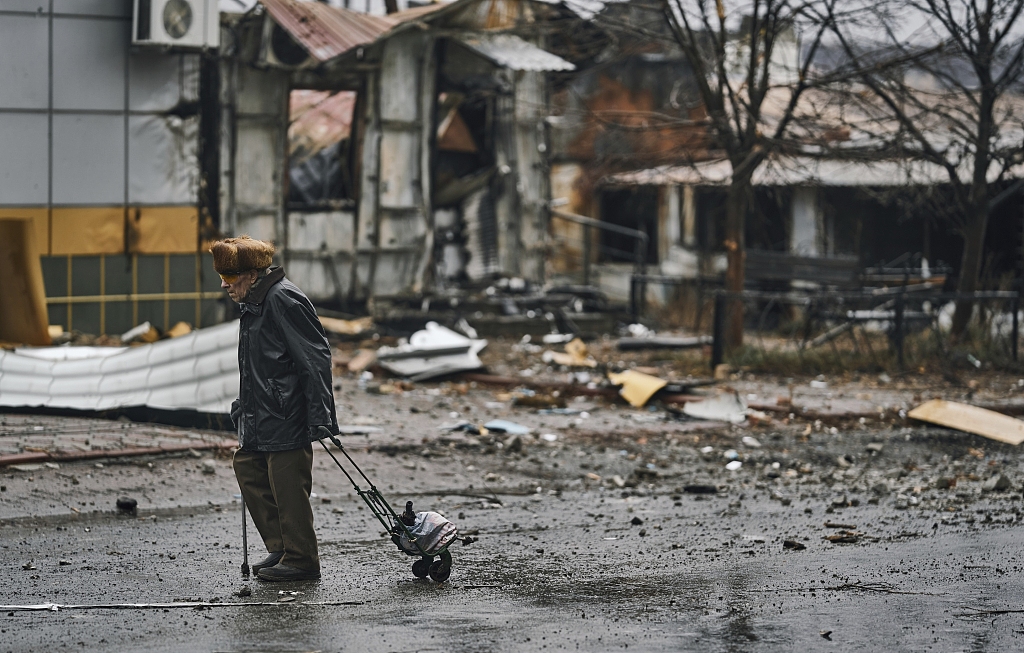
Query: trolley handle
326	433
380	508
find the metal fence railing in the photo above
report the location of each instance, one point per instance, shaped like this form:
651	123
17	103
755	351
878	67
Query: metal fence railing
101	294
900	325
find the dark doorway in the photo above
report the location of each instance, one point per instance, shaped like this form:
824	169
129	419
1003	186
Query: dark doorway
635	208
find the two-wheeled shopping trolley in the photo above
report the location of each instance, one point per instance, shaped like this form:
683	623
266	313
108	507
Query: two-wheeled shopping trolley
424	534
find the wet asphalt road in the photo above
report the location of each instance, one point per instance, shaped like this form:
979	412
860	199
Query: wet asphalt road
548	573
936	564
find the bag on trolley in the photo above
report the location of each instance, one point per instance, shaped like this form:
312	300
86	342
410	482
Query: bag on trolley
432	532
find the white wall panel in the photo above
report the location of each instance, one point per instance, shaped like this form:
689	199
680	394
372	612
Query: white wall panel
400	67
153	81
93	7
89	63
23	173
24	68
158	81
88	159
261	91
316	278
402	230
163	159
260	227
332	231
399	169
33	6
257	163
394	273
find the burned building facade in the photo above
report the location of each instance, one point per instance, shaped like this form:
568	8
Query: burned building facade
439	176
128	156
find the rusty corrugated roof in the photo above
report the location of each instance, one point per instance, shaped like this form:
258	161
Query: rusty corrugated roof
325	31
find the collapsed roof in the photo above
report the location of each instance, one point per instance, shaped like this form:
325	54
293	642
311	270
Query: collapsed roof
328	32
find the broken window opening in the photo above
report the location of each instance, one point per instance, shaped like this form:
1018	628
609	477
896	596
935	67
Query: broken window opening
465	183
320	154
634	208
463	177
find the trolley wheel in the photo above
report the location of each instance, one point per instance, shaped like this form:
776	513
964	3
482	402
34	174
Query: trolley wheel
421	568
439	571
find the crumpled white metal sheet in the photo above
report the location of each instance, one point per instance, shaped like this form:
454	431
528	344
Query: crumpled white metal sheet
512	52
431	352
198	371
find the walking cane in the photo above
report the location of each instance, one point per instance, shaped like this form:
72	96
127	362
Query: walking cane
245	544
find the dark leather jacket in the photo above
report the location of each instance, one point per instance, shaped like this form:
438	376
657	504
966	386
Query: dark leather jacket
284	363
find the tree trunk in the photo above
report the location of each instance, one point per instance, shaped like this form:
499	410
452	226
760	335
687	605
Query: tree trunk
736	255
970	267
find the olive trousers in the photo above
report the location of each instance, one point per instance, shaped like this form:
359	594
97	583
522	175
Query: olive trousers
276	487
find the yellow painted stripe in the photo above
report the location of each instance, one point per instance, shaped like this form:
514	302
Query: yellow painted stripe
134	297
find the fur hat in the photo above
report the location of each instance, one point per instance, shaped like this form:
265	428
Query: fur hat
234	255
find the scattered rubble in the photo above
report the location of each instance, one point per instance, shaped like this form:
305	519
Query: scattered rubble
434	351
576	355
341	327
363	359
722	406
997	483
144	332
504	426
637	387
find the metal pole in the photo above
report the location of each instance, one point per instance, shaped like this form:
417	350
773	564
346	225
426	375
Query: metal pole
1015	332
586	255
718	331
898	329
245	543
641	264
634	308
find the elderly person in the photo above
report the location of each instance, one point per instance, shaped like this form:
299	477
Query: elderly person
285	395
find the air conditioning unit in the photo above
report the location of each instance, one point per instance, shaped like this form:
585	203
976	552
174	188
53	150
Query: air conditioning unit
278	49
193	24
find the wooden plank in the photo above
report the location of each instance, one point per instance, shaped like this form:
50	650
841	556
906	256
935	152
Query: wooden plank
23	316
971	419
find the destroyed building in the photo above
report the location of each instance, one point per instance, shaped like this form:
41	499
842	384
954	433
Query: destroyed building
820	222
440	175
126	155
390	156
830	210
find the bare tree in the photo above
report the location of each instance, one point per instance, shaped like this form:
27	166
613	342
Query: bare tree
735	55
943	77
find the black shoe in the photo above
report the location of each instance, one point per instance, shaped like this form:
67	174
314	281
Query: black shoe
269	561
282	572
